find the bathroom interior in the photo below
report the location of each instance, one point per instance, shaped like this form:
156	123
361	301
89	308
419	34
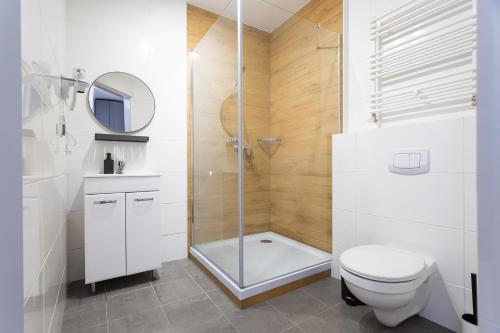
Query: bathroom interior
251	166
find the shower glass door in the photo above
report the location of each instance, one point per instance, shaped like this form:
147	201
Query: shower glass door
214	144
261	151
291	109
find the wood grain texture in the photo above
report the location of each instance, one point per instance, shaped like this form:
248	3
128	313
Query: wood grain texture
290	92
304	114
216	214
199	21
328	13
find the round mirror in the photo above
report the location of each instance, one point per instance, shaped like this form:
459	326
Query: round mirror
121	102
229	115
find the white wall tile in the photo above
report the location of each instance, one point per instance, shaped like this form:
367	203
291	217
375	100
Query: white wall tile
426	214
45	200
32	243
470	201
470	256
53	271
359	77
470	144
173	187
344	152
344	190
442	203
343	236
33	309
432	199
358	14
167	156
174	247
174	218
445	245
358	27
75	191
88	155
442	138
152	45
358	115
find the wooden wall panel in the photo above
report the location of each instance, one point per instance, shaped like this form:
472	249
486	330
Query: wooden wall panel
290	92
304	114
216	212
199	21
328	13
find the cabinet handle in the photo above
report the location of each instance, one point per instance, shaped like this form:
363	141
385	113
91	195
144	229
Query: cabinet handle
105	202
144	199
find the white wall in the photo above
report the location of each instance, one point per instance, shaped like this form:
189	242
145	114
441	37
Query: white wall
44	163
147	40
489	165
11	305
357	48
433	214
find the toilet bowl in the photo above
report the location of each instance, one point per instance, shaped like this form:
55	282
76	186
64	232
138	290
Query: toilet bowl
396	283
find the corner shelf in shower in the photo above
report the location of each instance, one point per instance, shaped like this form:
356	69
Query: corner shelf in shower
269	141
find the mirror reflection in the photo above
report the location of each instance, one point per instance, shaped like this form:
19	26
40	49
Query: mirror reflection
229	115
121	102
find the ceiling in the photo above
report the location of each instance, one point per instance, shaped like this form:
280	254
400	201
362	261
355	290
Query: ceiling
265	15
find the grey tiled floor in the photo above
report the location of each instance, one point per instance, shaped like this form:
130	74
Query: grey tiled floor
183	299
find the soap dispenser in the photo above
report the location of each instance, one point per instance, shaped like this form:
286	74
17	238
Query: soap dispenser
109	164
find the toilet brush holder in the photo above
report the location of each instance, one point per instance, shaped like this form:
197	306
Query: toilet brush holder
469	321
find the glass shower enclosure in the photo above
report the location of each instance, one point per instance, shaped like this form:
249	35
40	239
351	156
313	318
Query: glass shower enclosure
264	102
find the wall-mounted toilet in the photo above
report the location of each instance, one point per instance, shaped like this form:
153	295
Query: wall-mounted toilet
396	283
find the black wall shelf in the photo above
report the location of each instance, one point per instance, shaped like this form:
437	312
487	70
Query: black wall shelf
121	137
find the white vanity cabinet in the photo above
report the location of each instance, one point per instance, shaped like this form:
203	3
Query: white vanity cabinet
122	225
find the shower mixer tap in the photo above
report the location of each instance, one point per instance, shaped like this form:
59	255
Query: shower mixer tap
247	154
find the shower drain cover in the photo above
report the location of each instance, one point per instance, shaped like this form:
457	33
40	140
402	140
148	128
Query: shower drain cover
266	241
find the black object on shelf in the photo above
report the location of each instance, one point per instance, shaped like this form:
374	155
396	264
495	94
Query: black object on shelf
468	317
109	165
121	137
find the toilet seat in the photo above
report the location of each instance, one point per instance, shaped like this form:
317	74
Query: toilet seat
395	283
383	264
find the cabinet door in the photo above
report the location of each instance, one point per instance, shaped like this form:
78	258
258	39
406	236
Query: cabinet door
143	231
104	236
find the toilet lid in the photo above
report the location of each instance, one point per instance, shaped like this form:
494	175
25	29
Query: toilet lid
382	263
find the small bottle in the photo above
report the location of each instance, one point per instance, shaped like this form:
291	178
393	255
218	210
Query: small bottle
109	164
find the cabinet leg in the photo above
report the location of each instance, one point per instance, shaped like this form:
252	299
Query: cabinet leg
154	276
92	289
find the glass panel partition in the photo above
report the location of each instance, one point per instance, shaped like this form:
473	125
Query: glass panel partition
291	109
214	136
272	153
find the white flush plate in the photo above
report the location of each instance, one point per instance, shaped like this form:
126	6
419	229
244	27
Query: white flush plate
409	161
